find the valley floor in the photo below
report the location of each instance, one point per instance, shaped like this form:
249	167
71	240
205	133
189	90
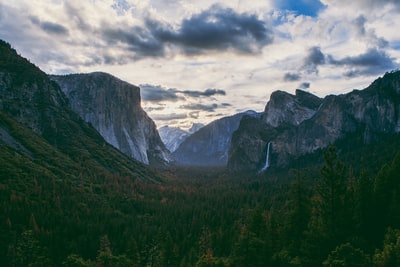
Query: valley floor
204	217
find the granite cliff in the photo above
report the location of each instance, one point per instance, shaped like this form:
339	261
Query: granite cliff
41	136
209	146
302	123
113	107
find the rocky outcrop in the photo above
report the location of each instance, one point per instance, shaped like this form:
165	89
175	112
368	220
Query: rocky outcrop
302	123
113	107
209	146
42	135
285	108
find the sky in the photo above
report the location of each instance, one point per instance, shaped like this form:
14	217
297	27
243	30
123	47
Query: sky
197	61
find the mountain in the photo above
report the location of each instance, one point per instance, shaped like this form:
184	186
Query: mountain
300	124
112	106
174	136
40	136
209	146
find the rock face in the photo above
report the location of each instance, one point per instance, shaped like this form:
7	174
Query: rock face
113	108
44	134
209	146
302	123
284	108
173	137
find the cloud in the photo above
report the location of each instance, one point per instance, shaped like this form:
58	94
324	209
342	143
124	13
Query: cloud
215	29
50	27
291	77
153	93
368	35
194	114
373	61
373	57
140	41
157	93
221	28
313	59
207	93
167	117
365	4
202	107
304	85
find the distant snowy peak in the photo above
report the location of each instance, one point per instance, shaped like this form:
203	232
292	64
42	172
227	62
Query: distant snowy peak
174	136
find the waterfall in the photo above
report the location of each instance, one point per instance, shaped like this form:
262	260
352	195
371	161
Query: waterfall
266	166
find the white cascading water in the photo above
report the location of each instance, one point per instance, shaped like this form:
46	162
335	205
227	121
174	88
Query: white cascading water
266	166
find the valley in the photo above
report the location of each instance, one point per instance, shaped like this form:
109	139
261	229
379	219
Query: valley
85	179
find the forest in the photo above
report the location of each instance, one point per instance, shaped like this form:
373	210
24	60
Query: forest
334	215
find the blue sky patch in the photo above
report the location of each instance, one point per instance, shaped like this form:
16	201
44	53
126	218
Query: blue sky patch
301	7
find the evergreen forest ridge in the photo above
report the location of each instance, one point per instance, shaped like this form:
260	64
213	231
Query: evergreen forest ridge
70	197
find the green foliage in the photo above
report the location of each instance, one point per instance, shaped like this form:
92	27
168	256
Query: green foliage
390	254
74	260
69	199
346	255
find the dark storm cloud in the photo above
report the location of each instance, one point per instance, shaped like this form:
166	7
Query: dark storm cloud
50	27
374	61
156	93
153	93
291	77
139	40
207	93
313	59
203	107
215	29
221	28
304	85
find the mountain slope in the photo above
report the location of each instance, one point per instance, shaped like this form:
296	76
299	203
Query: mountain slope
368	113
209	146
113	107
174	136
37	123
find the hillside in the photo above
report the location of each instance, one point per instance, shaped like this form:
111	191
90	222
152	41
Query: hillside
113	108
301	124
35	106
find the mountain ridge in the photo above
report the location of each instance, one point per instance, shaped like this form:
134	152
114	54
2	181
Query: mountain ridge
209	146
371	111
36	106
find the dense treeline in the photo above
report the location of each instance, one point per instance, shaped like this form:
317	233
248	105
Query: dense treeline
196	218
